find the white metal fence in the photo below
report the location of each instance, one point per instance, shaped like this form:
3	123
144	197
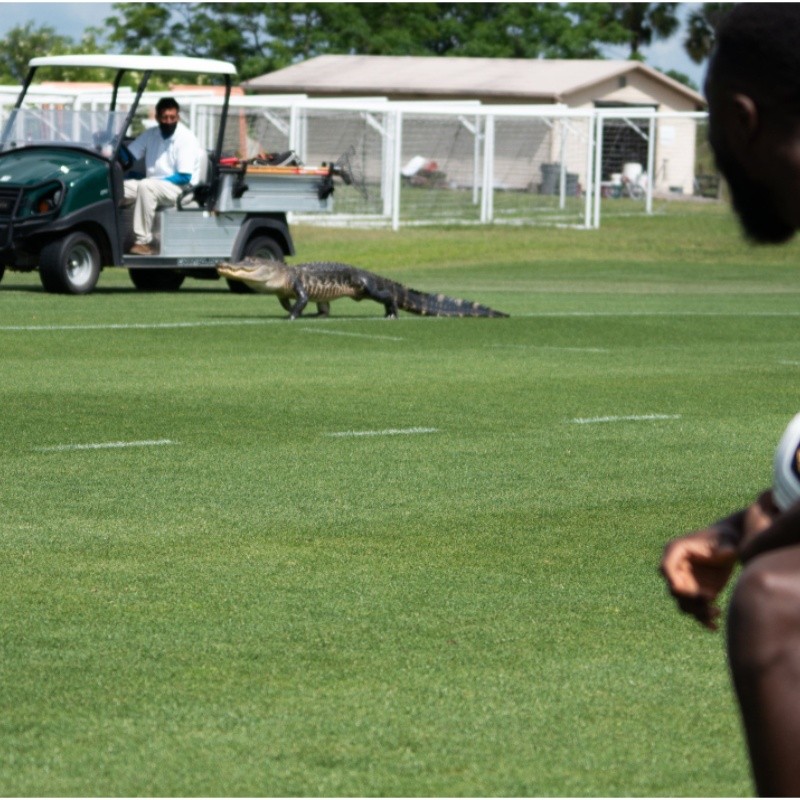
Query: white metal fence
429	163
456	163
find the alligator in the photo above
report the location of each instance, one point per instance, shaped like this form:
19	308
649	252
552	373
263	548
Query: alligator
323	281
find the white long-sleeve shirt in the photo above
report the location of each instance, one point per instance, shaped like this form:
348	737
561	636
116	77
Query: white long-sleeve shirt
164	157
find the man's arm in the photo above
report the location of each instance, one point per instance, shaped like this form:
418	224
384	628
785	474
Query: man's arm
186	154
697	566
179	178
784	531
138	146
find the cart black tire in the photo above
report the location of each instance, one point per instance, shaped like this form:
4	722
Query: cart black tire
156	280
70	265
2	272
257	247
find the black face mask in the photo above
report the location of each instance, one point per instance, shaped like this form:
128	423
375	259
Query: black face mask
167	129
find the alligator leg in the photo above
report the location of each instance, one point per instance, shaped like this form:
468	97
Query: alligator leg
383	296
323	309
391	310
302	301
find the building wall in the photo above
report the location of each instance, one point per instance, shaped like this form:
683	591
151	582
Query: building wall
676	145
675	140
636	88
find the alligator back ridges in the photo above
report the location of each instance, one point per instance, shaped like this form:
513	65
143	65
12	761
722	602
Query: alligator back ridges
440	305
329	279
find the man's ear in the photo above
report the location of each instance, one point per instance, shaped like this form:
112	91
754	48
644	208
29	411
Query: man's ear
745	116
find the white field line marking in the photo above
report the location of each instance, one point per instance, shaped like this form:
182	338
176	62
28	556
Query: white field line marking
550	347
104	445
788	363
631	418
389	432
144	326
148	326
354	335
136	326
756	314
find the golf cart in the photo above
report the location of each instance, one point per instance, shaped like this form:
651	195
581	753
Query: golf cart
61	190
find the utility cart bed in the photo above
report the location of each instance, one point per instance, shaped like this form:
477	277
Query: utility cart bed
260	189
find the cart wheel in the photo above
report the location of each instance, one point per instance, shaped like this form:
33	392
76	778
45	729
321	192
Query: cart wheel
70	265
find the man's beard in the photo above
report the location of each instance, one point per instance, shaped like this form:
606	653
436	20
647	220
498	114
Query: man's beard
754	205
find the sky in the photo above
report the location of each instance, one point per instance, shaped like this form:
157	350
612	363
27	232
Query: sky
71	19
669	54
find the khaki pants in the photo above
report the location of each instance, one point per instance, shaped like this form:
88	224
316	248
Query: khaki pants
148	194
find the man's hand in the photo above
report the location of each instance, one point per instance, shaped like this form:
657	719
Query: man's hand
697	567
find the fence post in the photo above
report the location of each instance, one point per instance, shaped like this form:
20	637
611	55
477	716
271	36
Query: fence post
598	167
591	174
296	132
651	154
487	197
562	177
387	162
476	155
397	150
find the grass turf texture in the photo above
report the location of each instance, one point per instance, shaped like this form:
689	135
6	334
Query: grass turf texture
263	609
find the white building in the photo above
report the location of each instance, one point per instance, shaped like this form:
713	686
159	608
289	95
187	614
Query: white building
576	83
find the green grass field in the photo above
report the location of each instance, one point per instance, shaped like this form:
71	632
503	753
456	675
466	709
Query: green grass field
250	599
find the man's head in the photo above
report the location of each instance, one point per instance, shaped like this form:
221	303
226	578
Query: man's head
168	114
753	91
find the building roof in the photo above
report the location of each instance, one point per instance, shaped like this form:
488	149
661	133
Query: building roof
489	79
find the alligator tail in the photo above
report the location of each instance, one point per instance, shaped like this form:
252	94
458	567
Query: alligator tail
439	305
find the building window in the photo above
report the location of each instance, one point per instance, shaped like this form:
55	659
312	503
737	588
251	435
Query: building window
623	81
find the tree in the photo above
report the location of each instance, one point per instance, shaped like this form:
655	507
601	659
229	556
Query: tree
701	29
260	37
487	30
681	77
645	22
511	30
24	42
142	28
522	30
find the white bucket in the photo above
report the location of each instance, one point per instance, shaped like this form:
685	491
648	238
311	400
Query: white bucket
632	171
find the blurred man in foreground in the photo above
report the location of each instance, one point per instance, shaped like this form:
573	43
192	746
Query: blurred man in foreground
753	90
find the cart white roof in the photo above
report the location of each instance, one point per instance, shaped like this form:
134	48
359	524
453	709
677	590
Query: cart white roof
206	66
